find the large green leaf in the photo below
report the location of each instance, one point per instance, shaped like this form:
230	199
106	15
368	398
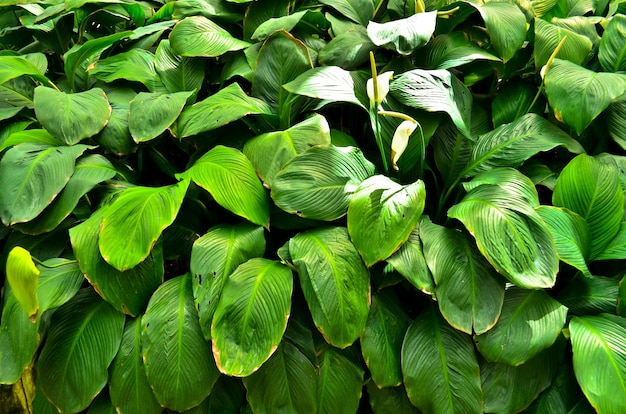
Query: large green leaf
214	256
135	220
128	291
135	65
451	50
360	11
616	121
434	350
199	36
530	322
435	91
335	283
152	113
230	178
115	137
616	249
287	383
267	27
592	189
513	101
178	361
84	336
318	183
403	35
23	277
511	144
561	396
12	67
72	117
548	36
469	291
612	53
227	397
251	316
599	348
381	342
577	95
590	296
31	176
229	104
506	25
270	152
409	261
340	382
128	386
382	214
348	50
178	73
389	400
571	235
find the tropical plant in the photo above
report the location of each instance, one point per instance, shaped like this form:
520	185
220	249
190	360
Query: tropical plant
313	206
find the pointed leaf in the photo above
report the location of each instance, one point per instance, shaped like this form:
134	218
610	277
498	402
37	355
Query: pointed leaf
135	65
199	36
576	48
432	349
612	53
178	73
348	50
616	249
23	277
403	35
590	296
340	382
451	50
616	121
274	24
409	261
506	25
12	67
178	361
34	136
360	11
152	113
335	283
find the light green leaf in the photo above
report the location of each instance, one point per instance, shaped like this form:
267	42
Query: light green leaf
469	291
599	346
382	214
229	104
616	249
12	67
453	49
403	35
529	323
510	180
616	121
577	95
31	176
152	113
409	261
592	189
612	53
135	220
506	25
590	296
576	48
33	136
72	117
273	24
335	283
340	382
214	256
432	349
230	178
84	336
178	73
318	183
23	277
178	361
360	11
135	65
199	36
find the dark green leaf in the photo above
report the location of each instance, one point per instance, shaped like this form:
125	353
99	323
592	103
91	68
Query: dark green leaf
340	382
612	53
506	25
348	50
590	296
451	50
409	261
390	400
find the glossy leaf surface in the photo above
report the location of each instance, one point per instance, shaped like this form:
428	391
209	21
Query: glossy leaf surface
150	114
199	36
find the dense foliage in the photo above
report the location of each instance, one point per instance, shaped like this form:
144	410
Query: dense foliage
324	206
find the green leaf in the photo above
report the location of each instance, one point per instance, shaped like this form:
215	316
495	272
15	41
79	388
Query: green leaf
616	249
435	91
128	291
612	53
360	11
178	73
12	67
451	50
335	283
403	35
382	214
199	36
616	121
270	152
214	256
318	183
599	346
340	382
592	189
510	180
287	382
72	117
381	342
348	50
577	95
115	137
251	316
23	277
576	48
513	101
469	291
229	104
84	336
129	388
275	24
152	113
230	178
59	281
31	176
389	400
178	361
590	296
135	65
409	261
511	144
529	323
561	396
227	397
506	25
135	220
571	235
432	349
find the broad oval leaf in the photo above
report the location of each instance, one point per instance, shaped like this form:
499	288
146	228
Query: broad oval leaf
612	53
506	25
530	322
135	65
274	24
72	117
178	361
576	48
318	183
590	295
409	261
592	189
152	113
31	176
199	36
451	50
382	214
403	35
214	256
348	50
360	11
12	67
135	220
335	283
178	73
23	277
434	350
599	346
84	336
469	291
251	316
229	176
340	382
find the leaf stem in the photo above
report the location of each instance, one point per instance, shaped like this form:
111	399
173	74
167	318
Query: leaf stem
545	71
